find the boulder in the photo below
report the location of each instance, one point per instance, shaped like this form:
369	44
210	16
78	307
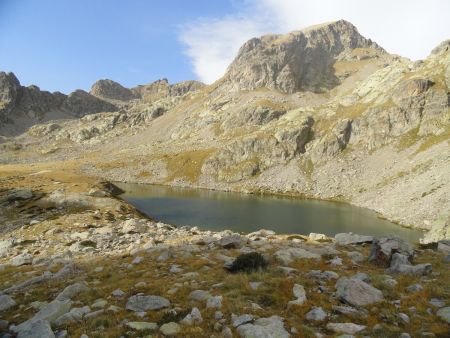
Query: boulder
6	302
300	295
22	259
74	315
233	241
444	314
400	264
356	292
134	226
316	314
39	328
288	255
170	329
350	238
242	319
142	326
383	248
72	290
264	328
199	295
347	328
141	303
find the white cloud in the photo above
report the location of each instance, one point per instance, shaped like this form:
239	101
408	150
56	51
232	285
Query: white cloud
410	28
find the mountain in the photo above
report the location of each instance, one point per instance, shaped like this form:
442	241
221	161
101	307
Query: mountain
304	60
322	113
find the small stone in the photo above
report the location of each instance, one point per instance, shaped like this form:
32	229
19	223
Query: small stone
349	328
199	295
316	314
355	256
239	320
414	288
142	326
118	293
404	317
404	335
146	303
137	260
218	315
6	302
214	302
170	329
336	261
437	302
22	259
300	294
254	285
99	304
444	314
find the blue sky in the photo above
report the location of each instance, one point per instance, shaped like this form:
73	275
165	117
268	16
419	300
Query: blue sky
68	44
64	45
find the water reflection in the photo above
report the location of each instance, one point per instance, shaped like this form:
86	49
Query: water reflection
213	210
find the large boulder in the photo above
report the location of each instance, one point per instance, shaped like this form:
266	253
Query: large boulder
400	264
141	303
270	327
40	328
384	247
350	238
356	292
6	302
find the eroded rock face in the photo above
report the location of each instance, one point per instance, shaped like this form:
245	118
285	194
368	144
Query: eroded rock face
301	60
80	103
10	91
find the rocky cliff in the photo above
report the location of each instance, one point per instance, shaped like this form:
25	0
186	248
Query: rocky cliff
300	61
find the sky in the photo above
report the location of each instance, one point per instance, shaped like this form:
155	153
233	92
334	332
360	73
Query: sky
63	45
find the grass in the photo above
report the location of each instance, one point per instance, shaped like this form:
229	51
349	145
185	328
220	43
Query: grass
186	165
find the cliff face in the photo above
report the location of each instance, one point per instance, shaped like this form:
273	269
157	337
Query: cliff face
299	61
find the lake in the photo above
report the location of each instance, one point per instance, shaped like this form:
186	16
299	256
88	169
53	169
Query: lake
216	210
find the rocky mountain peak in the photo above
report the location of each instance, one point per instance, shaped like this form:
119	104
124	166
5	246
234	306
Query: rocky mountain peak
109	89
301	60
10	91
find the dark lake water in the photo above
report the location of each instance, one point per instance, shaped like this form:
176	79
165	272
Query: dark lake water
214	210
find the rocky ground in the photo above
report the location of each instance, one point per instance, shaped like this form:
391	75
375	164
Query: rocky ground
76	262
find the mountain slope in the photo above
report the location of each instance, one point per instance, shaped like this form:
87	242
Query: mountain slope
322	113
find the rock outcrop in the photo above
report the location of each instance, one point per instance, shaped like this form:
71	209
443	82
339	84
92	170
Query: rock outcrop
302	60
109	89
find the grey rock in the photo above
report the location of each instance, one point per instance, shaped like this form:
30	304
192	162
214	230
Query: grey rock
270	327
214	302
316	314
400	264
72	290
118	293
6	302
349	239
444	314
355	256
300	295
437	302
288	255
74	315
193	318
242	319
384	248
323	275
233	241
141	303
356	292
170	329
39	328
349	328
404	335
414	288
199	295
22	259
142	326
404	317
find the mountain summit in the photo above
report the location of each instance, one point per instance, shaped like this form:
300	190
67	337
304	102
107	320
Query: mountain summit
299	61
